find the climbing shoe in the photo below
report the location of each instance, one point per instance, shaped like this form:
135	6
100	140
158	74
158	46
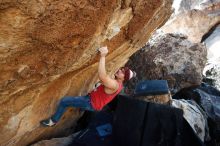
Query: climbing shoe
48	123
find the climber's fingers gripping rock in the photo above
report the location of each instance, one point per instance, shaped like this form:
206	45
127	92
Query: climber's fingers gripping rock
103	51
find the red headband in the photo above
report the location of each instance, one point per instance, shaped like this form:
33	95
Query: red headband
128	74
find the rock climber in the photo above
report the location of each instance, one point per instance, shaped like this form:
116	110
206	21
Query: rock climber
99	97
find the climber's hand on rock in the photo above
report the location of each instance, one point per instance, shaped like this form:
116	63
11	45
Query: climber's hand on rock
103	51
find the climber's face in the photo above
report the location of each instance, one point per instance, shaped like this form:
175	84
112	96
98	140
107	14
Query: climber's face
120	74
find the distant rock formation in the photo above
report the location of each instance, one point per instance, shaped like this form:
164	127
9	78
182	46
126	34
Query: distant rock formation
212	69
186	5
199	20
196	20
170	57
48	49
193	18
193	23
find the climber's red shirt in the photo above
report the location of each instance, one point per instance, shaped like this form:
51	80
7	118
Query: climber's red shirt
99	98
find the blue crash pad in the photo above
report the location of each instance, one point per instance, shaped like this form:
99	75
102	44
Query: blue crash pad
105	129
151	87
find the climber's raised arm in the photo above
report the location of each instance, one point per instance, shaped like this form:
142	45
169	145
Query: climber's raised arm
106	80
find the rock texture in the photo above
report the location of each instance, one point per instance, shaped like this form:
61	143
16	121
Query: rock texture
212	69
193	18
186	5
48	50
170	57
213	42
64	141
194	24
199	20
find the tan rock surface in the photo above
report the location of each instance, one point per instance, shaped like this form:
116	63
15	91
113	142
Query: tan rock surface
48	50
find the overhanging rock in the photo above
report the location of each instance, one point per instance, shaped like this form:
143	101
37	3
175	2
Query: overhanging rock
48	50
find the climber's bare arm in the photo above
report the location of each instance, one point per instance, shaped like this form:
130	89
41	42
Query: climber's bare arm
106	80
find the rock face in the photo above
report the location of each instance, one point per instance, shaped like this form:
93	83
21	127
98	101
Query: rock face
199	20
186	5
212	69
194	24
170	57
193	18
64	141
48	50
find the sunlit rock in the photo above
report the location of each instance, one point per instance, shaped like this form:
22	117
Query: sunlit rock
212	70
193	18
48	49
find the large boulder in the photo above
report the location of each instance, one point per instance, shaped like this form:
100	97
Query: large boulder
199	20
169	57
48	49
